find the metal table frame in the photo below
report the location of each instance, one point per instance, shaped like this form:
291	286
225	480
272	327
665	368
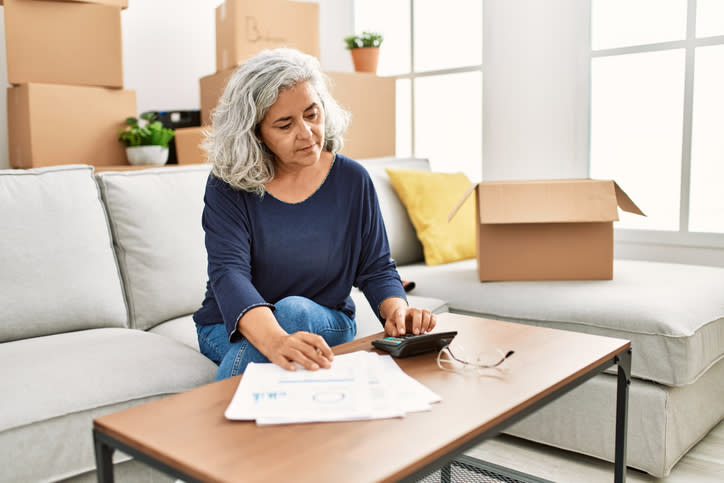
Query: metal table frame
105	445
623	360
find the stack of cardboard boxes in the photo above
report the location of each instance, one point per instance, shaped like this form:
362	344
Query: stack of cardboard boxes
66	101
245	28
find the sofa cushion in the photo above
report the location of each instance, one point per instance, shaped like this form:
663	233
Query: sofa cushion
404	244
58	271
443	240
181	329
59	383
673	314
155	215
663	422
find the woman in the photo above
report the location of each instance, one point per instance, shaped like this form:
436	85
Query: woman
290	225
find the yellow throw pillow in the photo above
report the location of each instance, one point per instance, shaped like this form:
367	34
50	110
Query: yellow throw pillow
429	198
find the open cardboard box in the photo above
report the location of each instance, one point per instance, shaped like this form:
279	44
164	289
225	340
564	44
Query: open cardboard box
547	229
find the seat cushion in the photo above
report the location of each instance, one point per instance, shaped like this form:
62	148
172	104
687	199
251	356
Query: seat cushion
405	247
181	329
58	271
673	314
155	215
59	383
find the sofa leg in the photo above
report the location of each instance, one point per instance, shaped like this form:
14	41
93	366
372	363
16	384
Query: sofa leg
104	459
623	383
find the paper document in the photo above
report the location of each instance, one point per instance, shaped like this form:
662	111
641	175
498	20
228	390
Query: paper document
359	385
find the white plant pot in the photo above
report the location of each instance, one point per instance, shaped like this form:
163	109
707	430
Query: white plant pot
144	155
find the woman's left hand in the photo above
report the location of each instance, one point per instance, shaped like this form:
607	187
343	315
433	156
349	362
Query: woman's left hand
401	319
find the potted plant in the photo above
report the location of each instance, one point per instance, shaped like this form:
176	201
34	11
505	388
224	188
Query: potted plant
146	140
365	50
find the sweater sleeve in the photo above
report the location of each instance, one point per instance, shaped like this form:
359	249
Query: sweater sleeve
228	245
377	275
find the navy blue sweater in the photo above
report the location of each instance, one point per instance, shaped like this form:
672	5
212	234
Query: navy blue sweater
261	249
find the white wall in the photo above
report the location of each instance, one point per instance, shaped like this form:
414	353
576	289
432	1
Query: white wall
169	44
536	106
536	78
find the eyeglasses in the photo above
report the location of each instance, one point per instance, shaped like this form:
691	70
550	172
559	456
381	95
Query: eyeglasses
448	361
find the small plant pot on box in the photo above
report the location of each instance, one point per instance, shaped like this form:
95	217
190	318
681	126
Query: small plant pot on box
145	155
365	50
146	140
365	59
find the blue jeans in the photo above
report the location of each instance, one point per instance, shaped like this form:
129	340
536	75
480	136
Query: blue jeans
294	314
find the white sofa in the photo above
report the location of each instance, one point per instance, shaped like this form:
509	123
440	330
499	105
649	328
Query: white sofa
73	293
672	313
100	274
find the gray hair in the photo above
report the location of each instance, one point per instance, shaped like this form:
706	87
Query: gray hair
238	156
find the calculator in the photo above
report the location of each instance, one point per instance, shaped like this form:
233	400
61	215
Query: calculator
410	345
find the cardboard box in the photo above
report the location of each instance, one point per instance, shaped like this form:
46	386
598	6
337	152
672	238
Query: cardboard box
69	43
371	101
212	87
246	27
547	229
51	124
188	145
369	98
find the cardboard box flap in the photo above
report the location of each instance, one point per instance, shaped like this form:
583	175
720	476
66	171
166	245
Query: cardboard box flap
460	203
625	203
548	201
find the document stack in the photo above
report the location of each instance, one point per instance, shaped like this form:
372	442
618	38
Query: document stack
360	385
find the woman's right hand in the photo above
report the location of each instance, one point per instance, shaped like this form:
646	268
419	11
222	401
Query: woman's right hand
304	348
308	350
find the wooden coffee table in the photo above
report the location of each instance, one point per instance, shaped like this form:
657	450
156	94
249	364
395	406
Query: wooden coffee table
187	436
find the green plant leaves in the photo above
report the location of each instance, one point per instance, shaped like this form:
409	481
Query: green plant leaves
148	116
151	133
366	39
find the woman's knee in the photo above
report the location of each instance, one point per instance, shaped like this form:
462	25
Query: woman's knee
295	313
300	313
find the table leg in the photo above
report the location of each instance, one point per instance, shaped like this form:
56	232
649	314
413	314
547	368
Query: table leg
446	473
104	459
623	383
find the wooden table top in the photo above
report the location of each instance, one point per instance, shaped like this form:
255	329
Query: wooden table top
188	431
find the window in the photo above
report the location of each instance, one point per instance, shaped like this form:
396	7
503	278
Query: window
657	114
434	50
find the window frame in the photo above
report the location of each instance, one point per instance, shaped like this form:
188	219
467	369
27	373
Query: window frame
412	75
682	237
658	244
